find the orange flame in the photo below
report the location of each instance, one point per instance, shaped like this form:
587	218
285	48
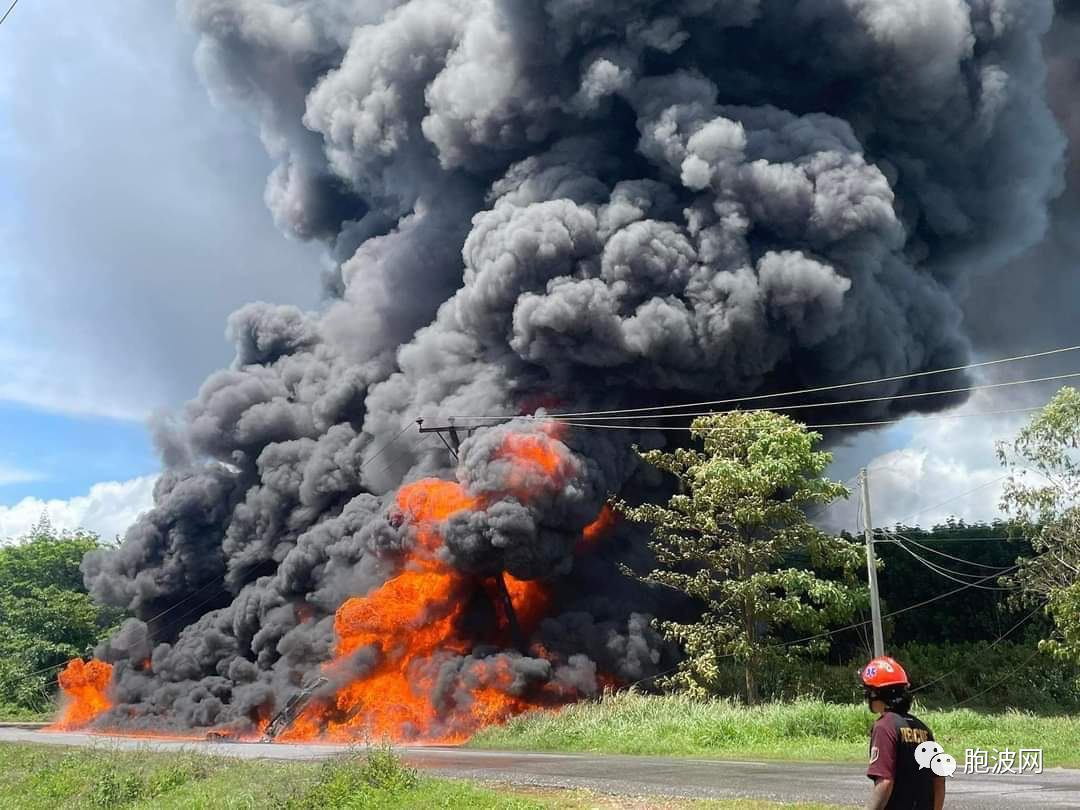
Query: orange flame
411	621
536	461
85	686
530	599
400	635
595	531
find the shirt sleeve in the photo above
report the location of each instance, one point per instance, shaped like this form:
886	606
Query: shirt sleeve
882	752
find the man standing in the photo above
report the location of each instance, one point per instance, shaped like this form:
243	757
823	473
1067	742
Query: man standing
899	783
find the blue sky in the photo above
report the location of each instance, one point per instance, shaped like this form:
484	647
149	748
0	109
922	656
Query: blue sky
131	225
63	456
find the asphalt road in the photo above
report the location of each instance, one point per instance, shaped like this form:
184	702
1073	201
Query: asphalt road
636	776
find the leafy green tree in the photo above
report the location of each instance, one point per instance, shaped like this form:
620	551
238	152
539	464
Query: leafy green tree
46	616
728	540
1042	496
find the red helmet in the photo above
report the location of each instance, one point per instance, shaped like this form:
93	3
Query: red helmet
883	672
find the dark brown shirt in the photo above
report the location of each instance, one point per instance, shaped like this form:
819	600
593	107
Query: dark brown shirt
893	741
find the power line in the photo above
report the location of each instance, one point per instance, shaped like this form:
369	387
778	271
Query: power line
146	622
852	626
823	508
949	574
146	627
972	539
10	8
386	446
993	644
394	461
744	428
916	606
815	390
572	418
972	491
899	540
949	556
996	684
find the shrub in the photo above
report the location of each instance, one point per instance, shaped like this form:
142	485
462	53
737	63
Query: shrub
1008	675
170	777
113	790
343	783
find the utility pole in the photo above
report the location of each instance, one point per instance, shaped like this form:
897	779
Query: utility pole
454	446
871	565
451	430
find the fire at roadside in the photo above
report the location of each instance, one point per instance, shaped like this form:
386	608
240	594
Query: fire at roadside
574	205
410	663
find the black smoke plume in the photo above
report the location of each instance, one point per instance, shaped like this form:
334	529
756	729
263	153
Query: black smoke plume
575	204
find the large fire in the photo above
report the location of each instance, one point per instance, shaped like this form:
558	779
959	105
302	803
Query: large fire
398	637
85	686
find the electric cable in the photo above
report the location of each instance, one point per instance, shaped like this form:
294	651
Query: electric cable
389	442
973	539
827	633
146	622
916	606
829	426
826	404
10	9
993	644
823	508
949	574
996	684
815	390
950	556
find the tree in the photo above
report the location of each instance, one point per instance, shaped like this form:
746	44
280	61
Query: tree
1041	497
728	540
46	616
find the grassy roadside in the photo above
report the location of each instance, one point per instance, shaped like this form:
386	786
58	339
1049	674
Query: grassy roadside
632	723
17	714
44	777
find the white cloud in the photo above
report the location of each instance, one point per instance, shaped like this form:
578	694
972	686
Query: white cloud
926	487
109	508
927	469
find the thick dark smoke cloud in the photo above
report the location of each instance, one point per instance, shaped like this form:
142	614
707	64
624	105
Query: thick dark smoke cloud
1025	306
571	203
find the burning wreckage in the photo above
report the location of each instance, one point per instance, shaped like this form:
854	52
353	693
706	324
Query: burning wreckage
573	205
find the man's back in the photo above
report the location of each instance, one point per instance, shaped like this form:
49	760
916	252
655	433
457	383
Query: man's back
892	756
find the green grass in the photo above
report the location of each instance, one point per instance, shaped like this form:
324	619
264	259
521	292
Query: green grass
55	778
672	725
45	777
